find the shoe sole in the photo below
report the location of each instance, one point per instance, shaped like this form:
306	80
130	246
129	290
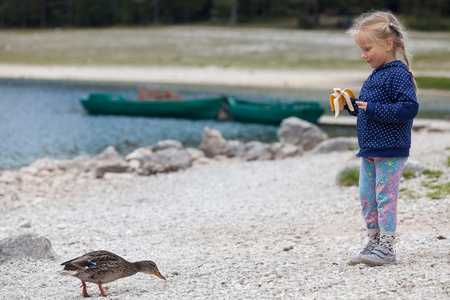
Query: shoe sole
373	262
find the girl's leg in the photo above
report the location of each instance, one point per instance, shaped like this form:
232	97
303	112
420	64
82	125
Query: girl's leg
367	193
389	171
388	175
369	207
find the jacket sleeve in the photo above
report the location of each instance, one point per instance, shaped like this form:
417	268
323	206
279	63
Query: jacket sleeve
402	109
355	107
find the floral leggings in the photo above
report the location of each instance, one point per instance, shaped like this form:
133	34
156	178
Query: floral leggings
379	181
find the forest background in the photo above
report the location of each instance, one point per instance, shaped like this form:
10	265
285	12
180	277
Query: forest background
305	14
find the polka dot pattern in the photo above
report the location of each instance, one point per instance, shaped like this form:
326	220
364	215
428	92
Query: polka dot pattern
384	129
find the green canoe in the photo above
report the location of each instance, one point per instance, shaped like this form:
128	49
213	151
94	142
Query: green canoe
274	111
172	108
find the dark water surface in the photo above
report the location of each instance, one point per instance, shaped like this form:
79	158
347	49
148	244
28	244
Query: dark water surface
45	118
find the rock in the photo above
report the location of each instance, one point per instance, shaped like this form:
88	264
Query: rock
336	144
161	145
80	163
113	166
26	246
165	156
139	154
281	150
301	133
108	154
234	148
195	153
46	163
257	151
413	165
25	224
212	142
170	159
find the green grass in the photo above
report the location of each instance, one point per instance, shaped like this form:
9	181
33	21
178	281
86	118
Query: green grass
349	177
405	193
439	191
198	46
408	174
432	173
442	83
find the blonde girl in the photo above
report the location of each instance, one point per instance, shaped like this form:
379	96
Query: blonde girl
385	111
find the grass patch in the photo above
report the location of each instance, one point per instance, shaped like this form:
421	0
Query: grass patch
349	177
441	83
448	162
405	193
196	46
408	174
439	191
432	173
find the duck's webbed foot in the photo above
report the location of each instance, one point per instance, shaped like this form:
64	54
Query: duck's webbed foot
85	293
102	292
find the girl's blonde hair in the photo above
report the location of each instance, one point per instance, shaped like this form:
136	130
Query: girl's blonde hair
380	25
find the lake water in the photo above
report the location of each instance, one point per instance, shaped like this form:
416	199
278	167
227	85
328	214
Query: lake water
45	118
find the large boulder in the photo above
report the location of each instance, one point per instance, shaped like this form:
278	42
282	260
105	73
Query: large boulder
110	153
234	148
257	151
336	144
281	150
212	142
26	246
165	144
110	161
301	133
165	156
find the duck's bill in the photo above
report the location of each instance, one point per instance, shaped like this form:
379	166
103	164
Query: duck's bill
160	276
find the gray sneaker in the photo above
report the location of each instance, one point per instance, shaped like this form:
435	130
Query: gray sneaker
379	256
366	251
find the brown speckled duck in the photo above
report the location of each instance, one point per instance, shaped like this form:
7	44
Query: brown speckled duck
103	267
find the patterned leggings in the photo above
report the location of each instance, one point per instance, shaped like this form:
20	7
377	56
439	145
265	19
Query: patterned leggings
378	190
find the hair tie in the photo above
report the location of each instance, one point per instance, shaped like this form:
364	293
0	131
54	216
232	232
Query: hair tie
390	25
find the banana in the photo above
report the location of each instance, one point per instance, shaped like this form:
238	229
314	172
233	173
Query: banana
337	100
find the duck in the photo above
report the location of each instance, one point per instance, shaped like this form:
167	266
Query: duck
102	267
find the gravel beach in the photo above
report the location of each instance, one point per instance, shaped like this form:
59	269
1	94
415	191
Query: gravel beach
252	230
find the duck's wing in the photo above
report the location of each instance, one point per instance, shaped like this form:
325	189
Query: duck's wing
92	260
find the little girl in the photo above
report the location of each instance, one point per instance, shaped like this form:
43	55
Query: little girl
386	108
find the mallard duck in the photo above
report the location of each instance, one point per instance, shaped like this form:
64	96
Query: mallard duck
103	267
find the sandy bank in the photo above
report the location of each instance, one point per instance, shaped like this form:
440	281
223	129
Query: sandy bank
304	79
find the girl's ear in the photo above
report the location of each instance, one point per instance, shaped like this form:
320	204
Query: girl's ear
389	44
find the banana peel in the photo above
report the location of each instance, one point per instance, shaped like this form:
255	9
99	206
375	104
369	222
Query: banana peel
338	100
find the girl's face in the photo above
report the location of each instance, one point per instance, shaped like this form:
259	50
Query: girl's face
375	54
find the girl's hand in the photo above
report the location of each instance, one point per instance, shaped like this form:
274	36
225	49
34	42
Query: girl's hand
361	104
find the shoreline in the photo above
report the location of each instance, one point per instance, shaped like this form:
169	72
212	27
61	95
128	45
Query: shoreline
210	75
313	80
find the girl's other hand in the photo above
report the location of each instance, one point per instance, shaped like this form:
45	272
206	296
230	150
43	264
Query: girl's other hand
361	104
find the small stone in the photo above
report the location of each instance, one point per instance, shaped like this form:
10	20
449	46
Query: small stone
25	224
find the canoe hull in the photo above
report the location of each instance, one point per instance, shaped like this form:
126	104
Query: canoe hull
273	112
183	108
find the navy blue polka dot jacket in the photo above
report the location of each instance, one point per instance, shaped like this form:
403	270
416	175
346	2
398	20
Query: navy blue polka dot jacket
384	129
